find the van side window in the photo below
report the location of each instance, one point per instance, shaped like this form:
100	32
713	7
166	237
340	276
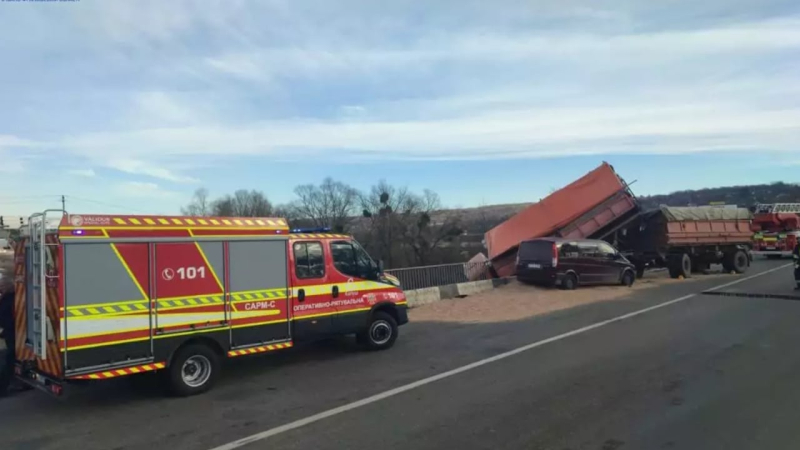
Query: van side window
569	250
606	250
588	250
350	259
308	260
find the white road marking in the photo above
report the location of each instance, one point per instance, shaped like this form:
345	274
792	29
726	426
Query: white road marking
399	390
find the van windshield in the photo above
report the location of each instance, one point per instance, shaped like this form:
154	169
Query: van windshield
536	251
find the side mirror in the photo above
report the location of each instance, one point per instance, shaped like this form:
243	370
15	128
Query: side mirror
380	266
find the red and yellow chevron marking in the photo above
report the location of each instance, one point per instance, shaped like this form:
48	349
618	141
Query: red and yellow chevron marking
297	236
120	372
262	349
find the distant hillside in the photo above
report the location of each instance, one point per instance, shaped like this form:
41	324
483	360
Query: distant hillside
744	196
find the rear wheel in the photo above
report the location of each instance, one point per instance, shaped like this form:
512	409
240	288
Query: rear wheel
680	266
628	278
740	261
569	282
381	332
193	370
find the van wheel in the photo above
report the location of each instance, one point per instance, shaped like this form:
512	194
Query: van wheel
193	370
628	278
569	282
381	332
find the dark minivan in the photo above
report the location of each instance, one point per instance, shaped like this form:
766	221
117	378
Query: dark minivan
569	263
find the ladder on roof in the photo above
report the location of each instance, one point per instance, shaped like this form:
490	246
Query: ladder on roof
773	208
37	329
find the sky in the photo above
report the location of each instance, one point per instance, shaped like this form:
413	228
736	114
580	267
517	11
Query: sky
130	106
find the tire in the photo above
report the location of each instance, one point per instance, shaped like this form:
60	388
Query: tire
381	332
193	370
740	261
628	278
569	282
680	265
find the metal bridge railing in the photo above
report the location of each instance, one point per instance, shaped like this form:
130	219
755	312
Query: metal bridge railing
440	275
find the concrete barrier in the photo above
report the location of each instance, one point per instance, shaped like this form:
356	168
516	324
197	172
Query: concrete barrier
425	296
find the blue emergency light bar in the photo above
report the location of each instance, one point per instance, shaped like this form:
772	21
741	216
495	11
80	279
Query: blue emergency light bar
311	230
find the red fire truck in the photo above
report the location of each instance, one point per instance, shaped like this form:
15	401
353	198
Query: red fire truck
102	296
777	229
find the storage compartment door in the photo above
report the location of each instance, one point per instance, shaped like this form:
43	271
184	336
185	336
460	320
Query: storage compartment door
190	287
107	310
258	292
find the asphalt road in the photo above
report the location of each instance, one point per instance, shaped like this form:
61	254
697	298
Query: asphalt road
708	372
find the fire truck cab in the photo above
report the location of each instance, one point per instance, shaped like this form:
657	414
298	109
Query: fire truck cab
777	229
101	296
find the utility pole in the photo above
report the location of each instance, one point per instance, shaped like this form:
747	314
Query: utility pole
63	203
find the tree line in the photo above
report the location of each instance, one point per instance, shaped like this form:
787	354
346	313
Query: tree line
401	227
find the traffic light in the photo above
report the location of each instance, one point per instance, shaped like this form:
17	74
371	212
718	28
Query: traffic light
2	225
20	221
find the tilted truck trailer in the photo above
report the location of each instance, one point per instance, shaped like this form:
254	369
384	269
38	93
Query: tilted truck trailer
687	240
590	207
776	229
101	296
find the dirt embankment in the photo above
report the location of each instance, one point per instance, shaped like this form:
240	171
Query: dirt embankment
517	301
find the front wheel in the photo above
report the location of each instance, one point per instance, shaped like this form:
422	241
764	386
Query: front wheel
381	332
193	370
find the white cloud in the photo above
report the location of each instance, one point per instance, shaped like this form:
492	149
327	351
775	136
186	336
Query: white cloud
161	107
142	189
86	173
8	141
466	83
138	167
522	132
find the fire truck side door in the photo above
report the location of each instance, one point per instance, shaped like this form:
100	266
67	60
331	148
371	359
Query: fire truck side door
312	311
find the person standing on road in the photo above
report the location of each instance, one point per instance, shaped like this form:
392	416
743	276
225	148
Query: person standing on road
6	325
796	258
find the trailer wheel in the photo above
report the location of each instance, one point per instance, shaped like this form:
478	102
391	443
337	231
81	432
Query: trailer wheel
193	370
569	282
680	265
381	332
740	261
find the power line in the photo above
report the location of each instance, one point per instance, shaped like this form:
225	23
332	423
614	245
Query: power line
101	203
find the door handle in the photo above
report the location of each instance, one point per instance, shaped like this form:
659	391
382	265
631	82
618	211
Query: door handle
301	295
335	291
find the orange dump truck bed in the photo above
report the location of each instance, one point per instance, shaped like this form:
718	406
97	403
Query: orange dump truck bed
578	210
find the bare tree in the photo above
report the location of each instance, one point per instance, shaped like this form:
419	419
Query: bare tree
199	206
387	210
405	228
433	228
243	203
332	203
